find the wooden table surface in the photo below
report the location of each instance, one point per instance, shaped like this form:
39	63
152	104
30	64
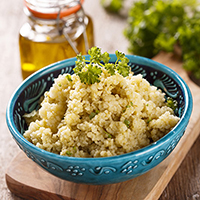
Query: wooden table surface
185	184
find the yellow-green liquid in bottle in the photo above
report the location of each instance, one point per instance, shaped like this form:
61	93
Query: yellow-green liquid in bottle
39	49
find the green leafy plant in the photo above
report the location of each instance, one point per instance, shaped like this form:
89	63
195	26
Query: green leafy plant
112	5
152	26
155	25
189	39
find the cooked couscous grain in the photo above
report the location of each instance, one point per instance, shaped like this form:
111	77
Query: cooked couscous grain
114	116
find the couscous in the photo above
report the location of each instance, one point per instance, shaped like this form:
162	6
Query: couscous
115	115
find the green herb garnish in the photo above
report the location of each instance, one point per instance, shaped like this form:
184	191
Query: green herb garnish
128	106
121	64
127	122
97	57
75	149
108	134
89	71
80	64
68	153
172	103
91	75
110	68
92	114
149	120
69	78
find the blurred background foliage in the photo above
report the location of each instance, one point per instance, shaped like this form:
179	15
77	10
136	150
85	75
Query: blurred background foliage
162	25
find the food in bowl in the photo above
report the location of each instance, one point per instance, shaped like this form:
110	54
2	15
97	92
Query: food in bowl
100	170
101	110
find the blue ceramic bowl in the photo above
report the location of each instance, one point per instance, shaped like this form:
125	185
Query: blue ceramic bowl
106	170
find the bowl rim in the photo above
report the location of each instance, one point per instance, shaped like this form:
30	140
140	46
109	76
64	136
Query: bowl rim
180	126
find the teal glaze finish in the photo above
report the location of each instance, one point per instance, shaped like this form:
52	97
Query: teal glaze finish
107	170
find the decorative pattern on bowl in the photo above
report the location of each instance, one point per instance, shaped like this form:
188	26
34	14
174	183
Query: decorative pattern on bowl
99	170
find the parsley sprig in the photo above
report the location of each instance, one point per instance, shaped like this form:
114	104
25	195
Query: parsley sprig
91	75
121	64
89	71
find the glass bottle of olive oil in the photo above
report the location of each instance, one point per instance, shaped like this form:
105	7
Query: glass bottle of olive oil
55	30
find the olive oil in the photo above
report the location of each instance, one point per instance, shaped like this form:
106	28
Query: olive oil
42	42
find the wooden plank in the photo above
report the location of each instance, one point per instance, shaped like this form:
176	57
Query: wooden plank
27	180
185	184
